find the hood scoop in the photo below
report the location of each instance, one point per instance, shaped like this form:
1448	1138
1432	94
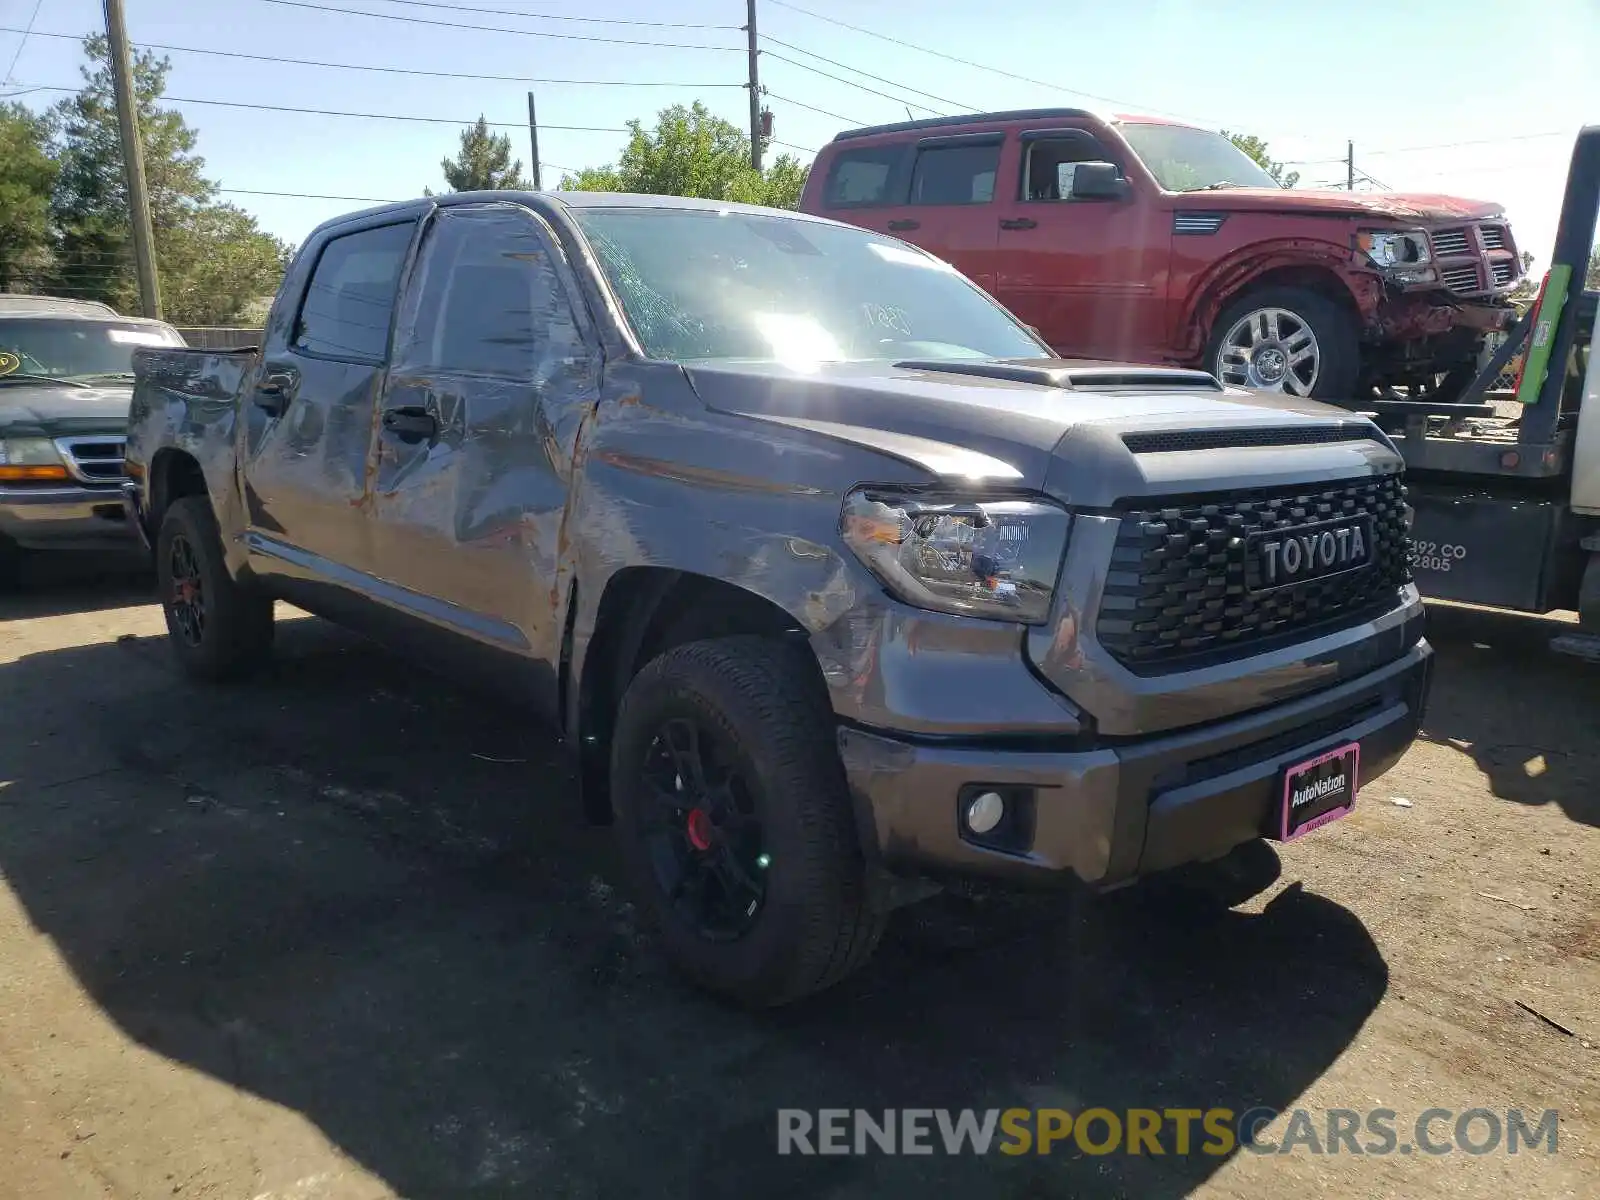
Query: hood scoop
1059	373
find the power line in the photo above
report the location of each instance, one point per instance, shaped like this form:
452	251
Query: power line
1494	141
371	116
858	71
847	82
814	108
538	33
512	12
343	66
37	5
965	62
792	146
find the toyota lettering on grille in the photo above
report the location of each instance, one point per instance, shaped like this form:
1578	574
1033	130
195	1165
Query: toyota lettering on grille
1299	554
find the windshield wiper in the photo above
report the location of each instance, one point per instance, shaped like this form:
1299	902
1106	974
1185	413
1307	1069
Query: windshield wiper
24	377
105	375
1214	187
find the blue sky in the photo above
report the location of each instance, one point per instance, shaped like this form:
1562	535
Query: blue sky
1304	74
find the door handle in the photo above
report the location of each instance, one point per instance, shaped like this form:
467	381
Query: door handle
901	226
411	423
1018	223
276	388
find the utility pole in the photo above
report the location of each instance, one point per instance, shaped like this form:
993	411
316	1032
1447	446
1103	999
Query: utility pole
755	87
533	141
1350	166
144	250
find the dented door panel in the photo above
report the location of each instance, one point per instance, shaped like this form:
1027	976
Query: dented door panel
491	378
309	413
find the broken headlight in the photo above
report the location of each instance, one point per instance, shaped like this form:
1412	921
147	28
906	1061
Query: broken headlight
992	558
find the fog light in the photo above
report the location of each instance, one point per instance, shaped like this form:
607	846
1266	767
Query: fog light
985	812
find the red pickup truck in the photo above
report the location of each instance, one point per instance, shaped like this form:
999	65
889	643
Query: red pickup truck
1146	240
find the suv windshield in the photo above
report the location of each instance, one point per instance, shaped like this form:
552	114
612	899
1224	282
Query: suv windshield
1184	159
701	284
74	348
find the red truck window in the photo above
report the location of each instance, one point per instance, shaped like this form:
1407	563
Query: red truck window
955	174
860	178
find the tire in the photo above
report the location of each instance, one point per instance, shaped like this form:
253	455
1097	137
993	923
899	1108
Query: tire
234	632
759	714
1336	341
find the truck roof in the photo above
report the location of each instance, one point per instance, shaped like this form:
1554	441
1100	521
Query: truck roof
1016	114
536	200
54	306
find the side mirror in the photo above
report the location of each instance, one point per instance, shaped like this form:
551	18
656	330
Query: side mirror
1098	181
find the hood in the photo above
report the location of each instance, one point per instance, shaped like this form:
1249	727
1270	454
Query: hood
998	421
46	410
1394	206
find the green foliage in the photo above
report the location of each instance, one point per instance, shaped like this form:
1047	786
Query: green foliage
212	259
690	152
1257	149
26	177
483	163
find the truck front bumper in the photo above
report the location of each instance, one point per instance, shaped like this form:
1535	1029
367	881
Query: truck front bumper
67	517
1111	813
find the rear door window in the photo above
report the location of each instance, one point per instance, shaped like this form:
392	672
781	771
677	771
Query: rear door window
955	174
347	306
861	178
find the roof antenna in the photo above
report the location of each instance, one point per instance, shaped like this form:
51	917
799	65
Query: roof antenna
909	117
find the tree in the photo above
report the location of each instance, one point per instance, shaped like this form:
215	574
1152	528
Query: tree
1591	277
690	152
211	258
1257	149
27	176
483	163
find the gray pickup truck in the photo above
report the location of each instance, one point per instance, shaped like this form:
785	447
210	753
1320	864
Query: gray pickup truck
829	574
66	376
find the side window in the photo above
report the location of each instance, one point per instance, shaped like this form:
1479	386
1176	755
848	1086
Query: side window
345	311
1048	165
860	178
487	300
955	174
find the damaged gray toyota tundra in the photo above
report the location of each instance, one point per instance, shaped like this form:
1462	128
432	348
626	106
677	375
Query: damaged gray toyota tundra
833	579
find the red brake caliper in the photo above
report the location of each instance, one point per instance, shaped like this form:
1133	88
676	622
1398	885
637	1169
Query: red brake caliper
699	829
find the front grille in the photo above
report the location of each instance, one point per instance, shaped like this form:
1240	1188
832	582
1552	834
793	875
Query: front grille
1494	237
1450	241
96	459
1178	591
1504	273
1461	279
1167	441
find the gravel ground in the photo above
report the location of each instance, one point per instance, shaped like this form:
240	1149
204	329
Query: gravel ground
340	933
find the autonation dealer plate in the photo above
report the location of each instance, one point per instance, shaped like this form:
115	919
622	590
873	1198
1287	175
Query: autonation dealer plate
1319	791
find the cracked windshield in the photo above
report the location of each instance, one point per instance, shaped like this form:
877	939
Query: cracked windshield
816	599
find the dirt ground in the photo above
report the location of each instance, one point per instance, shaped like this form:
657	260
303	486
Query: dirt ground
341	933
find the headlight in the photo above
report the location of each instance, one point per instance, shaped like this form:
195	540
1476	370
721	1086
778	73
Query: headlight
996	559
30	459
1395	248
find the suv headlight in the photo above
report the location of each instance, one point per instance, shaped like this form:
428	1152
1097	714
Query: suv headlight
1395	249
976	557
30	458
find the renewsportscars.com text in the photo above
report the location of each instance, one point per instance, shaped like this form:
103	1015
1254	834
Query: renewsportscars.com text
1162	1131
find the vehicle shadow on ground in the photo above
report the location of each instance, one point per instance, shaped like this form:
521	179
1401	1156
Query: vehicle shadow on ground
54	584
368	897
1538	740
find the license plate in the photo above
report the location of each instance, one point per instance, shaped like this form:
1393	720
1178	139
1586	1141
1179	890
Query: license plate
1318	791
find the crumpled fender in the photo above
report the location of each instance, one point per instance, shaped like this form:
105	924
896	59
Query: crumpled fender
1217	287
